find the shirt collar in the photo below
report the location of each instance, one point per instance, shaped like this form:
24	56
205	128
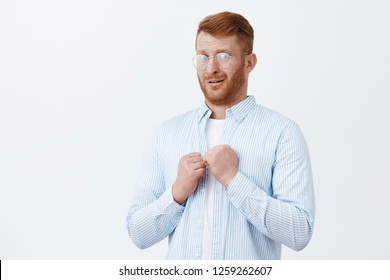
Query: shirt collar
238	111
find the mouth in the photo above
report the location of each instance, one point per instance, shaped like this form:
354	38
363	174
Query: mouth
215	82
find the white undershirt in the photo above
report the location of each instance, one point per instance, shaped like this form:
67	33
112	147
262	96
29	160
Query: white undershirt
213	133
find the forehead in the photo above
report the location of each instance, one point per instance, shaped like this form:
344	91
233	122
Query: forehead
210	44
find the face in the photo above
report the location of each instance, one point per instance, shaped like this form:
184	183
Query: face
223	87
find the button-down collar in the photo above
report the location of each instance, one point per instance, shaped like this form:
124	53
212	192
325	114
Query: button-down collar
238	111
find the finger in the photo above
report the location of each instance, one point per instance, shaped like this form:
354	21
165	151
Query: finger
208	157
201	172
197	159
199	165
193	154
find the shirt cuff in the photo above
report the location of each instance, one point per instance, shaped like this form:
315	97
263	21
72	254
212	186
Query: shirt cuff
169	206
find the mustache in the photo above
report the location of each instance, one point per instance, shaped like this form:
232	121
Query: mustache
213	77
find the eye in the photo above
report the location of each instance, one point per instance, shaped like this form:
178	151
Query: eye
223	56
202	58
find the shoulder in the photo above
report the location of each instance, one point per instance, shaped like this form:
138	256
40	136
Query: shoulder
178	125
179	120
272	119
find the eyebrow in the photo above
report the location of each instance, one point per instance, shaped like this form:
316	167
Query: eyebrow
217	51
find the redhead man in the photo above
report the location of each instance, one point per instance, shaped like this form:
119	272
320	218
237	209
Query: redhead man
231	179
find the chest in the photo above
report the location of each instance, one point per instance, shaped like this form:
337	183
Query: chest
254	145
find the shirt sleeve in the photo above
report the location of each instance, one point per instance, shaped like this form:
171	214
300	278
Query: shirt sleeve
153	214
287	216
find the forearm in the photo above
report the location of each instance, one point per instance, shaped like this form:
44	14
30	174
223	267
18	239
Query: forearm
148	224
287	222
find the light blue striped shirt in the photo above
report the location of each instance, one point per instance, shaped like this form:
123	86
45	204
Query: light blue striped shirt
269	202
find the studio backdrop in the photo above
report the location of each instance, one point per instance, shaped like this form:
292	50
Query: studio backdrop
84	84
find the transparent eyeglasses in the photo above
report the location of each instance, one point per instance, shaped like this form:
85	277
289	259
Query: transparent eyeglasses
222	60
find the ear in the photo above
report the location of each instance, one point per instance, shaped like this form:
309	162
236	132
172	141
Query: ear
251	62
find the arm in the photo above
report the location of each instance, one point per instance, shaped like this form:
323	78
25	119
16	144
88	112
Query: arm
288	215
154	214
156	211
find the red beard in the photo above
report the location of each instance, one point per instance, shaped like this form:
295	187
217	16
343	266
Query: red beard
228	92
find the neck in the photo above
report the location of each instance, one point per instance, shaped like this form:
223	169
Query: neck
219	111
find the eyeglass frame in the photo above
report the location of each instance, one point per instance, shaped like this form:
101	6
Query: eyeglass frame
195	58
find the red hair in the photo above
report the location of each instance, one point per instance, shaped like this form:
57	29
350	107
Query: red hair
229	24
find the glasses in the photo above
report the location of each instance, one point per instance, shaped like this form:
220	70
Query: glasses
222	60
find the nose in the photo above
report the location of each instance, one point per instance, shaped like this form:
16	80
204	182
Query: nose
212	66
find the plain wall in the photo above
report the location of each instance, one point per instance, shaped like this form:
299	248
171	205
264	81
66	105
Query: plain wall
83	85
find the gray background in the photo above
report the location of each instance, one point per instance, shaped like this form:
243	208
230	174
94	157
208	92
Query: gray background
84	84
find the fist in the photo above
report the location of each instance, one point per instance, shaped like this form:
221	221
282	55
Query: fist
191	169
222	161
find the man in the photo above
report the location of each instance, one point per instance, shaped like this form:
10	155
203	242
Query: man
231	179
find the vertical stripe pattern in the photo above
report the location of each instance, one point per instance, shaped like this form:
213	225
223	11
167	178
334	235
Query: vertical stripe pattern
269	203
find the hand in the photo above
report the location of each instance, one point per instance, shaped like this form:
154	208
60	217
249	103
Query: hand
223	163
191	169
